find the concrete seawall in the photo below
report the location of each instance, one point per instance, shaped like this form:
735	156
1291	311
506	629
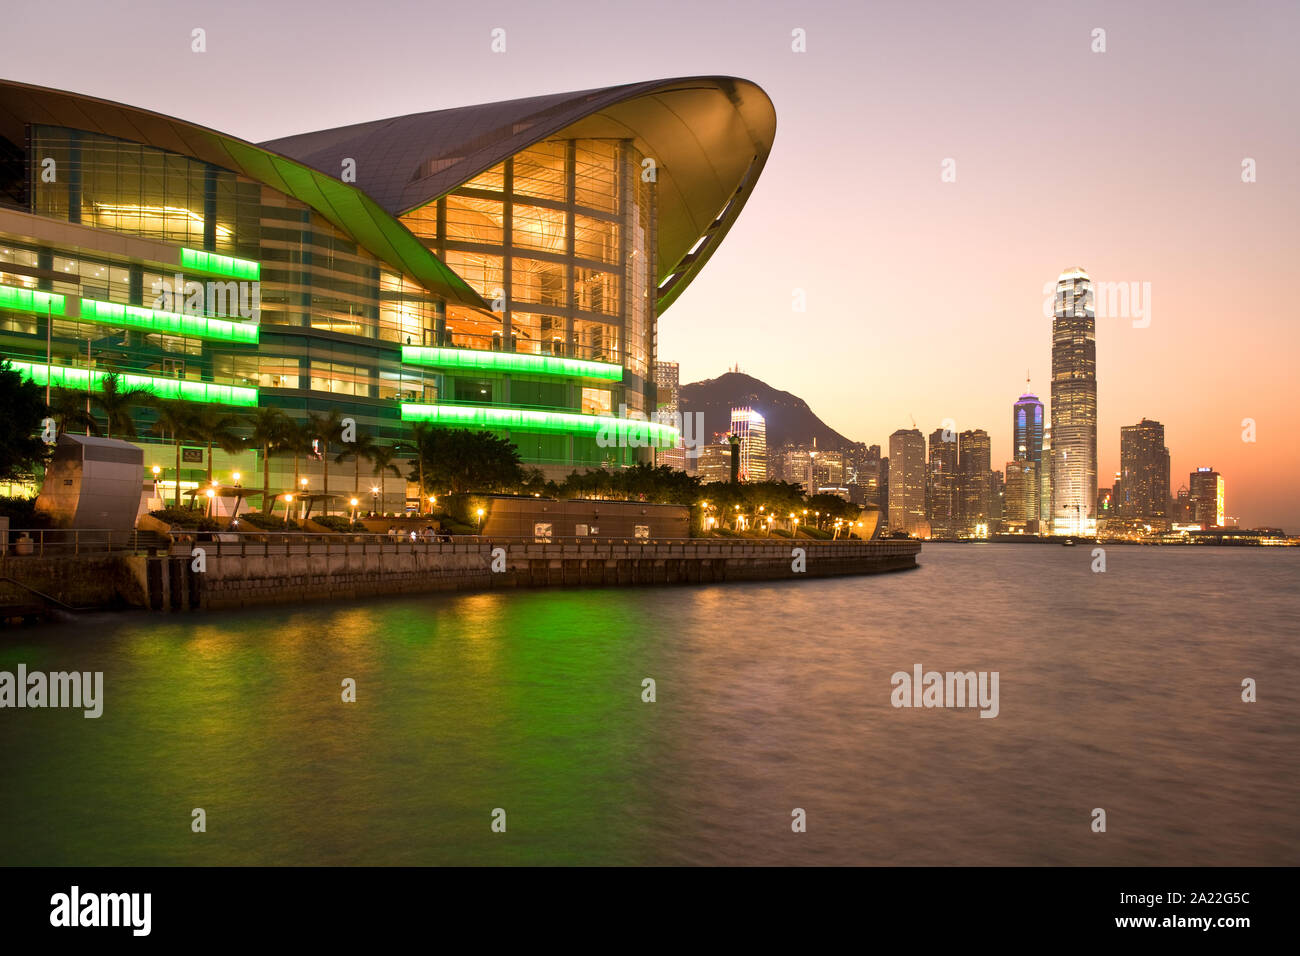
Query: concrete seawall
250	573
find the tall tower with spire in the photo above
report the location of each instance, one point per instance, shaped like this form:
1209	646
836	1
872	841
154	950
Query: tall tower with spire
1074	406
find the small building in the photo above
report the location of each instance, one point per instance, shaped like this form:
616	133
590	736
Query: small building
550	518
93	483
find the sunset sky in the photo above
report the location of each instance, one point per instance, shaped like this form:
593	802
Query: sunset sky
924	297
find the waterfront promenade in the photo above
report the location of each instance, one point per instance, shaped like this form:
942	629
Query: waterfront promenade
242	570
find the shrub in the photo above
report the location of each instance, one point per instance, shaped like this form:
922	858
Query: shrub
189	518
256	519
22	513
338	523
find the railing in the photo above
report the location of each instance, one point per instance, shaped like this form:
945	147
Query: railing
254	544
51	542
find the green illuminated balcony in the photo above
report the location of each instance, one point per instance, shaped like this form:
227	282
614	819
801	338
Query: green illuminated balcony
31	300
201	261
619	430
155	320
509	362
67	376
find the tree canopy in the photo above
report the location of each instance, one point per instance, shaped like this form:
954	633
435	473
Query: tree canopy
21	447
459	460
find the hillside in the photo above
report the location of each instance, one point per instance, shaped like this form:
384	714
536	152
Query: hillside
789	419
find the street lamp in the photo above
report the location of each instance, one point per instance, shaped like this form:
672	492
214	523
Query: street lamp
374	499
480	514
234	477
288	500
354	509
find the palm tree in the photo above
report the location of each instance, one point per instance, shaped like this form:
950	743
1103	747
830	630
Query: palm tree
297	439
381	456
116	403
363	446
68	409
213	425
326	429
419	433
268	426
175	419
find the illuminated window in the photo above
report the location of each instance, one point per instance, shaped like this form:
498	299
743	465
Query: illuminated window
536	227
595	239
597	401
483	272
339	379
493	180
596	291
535	281
596	174
470	219
539	171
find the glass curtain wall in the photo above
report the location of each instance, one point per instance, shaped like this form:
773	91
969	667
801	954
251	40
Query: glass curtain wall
559	240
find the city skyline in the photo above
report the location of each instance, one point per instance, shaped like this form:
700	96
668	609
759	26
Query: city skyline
879	244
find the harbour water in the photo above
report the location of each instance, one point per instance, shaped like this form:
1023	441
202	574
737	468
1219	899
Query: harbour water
1118	690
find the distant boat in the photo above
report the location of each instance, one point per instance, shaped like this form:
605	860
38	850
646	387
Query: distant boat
1068	543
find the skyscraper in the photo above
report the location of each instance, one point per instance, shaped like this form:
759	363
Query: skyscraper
751	428
1074	406
1027	427
943	501
667	389
1020	500
1206	486
1143	488
714	463
976	479
907	482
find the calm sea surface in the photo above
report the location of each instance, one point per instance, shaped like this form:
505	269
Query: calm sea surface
1119	690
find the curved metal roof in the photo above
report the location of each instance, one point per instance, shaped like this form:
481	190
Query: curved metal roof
709	137
344	205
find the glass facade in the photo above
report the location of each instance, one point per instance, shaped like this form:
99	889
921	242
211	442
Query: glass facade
521	297
1074	406
559	238
241	294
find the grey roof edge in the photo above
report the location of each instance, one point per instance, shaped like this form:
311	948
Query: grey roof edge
712	170
22	103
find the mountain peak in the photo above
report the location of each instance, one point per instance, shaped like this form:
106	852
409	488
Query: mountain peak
789	419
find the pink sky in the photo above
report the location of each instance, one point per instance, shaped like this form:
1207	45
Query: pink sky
924	298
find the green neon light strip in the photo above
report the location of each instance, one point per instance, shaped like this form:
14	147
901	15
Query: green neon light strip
220	265
618	430
509	362
191	391
29	300
155	320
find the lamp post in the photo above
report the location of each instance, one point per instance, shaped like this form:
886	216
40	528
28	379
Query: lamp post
157	473
353	502
374	499
480	514
288	501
